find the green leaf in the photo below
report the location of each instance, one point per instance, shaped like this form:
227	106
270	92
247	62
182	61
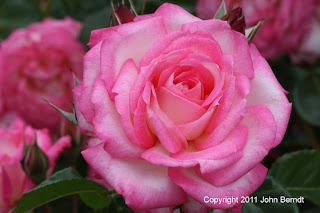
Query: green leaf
270	188
96	200
306	96
118	205
299	173
251	32
63	183
70	116
222	11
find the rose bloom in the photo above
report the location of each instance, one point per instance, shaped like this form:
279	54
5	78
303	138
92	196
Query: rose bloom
309	48
179	109
13	180
34	65
286	21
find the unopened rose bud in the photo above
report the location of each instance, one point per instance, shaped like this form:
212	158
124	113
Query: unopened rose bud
236	20
121	15
35	162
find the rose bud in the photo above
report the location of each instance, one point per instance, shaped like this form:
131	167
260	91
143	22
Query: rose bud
120	15
236	20
35	162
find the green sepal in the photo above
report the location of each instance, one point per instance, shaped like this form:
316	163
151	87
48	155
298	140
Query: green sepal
222	11
70	116
251	32
75	80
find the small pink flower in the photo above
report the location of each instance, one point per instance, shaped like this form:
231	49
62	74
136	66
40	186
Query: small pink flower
286	21
13	180
178	109
34	65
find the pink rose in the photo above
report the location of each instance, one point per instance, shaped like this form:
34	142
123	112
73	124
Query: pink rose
34	65
13	180
285	21
308	49
179	109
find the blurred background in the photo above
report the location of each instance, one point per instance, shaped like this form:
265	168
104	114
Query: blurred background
297	68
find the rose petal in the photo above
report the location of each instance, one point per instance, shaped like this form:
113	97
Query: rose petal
155	51
208	73
160	156
274	97
108	127
6	148
221	132
231	42
220	156
262	131
207	166
173	15
198	42
85	127
13	178
199	189
166	137
6	189
91	69
116	50
224	105
233	143
54	152
196	92
122	87
125	177
195	128
160	210
90	143
254	52
179	110
154	70
99	35
193	206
